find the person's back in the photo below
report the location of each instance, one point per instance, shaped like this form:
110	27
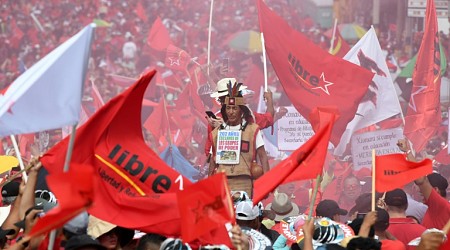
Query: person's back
403	228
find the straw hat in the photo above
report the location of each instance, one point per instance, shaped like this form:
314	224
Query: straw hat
222	87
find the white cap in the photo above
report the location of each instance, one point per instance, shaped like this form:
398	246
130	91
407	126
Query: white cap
246	211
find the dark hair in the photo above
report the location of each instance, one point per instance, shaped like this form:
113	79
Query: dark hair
147	239
363	243
244	109
356	226
439	181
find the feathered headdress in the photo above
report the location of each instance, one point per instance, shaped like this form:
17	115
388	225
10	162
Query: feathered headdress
233	92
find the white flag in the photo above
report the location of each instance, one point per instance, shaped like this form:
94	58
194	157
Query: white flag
381	101
48	95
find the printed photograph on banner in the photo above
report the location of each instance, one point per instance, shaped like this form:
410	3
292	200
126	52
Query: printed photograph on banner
228	147
293	130
383	141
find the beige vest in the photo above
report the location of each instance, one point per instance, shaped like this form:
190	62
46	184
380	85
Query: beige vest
247	155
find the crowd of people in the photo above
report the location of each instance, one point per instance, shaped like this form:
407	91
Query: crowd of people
121	52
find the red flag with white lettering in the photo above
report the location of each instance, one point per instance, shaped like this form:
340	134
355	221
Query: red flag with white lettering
310	76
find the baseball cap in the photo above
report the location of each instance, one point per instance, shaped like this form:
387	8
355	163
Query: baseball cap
396	197
329	208
10	191
78	225
39	204
83	240
246	211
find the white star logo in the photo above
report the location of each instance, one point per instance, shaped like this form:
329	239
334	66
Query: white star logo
174	62
325	84
412	102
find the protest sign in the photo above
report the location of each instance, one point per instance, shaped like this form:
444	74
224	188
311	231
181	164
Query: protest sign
228	147
293	130
383	141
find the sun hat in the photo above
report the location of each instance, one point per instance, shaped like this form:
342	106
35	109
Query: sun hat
222	87
283	207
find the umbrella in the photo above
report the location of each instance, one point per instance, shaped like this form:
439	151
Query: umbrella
326	230
350	31
248	41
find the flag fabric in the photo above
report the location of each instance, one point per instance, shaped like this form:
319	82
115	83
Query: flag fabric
140	11
305	70
74	192
136	189
158	121
340	46
67	130
380	101
394	171
29	106
176	58
205	206
423	116
172	157
304	163
158	37
443	157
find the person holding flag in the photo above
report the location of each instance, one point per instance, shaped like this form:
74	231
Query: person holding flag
237	143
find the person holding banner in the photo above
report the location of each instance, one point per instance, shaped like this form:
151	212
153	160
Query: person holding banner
237	143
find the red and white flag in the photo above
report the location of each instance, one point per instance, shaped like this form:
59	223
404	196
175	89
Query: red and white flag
423	117
380	101
48	95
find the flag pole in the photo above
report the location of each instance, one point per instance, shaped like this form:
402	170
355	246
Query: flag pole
209	36
333	36
70	148
263	47
168	121
373	180
19	157
313	197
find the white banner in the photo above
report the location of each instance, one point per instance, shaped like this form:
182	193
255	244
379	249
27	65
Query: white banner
383	141
293	130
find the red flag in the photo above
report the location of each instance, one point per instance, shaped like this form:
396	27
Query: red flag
176	58
305	70
158	122
423	116
158	37
394	171
443	156
205	206
304	163
75	193
140	11
136	188
340	46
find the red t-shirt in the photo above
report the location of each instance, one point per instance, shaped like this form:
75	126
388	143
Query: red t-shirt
392	245
438	212
405	230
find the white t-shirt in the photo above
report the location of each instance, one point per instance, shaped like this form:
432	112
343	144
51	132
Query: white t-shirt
129	50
